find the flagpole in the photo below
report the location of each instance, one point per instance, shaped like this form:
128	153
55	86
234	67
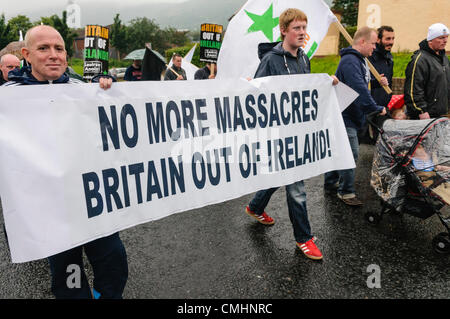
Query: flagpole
371	67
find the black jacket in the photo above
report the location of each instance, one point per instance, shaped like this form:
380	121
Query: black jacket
23	76
427	83
202	74
353	72
384	63
276	61
170	76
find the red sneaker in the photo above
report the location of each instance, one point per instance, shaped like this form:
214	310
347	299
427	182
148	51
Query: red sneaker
263	218
310	249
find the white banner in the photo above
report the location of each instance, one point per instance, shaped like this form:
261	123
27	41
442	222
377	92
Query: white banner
78	163
257	22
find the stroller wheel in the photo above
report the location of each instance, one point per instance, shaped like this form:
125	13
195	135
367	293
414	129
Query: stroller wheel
373	218
441	243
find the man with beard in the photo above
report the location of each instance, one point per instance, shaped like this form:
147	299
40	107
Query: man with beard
383	62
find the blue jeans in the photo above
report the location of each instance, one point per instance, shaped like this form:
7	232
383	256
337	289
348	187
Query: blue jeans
109	263
346	177
296	200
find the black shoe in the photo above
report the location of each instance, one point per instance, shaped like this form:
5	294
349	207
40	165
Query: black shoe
330	189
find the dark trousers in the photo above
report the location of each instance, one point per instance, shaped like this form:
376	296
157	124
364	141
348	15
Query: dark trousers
109	263
346	177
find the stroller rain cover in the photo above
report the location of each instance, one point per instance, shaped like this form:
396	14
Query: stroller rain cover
396	146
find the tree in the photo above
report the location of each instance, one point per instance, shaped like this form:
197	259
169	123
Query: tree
60	24
5	32
142	31
19	23
349	9
175	38
118	36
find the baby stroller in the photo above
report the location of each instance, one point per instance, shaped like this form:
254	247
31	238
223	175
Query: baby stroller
410	172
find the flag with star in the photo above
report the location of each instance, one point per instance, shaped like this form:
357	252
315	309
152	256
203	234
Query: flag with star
258	21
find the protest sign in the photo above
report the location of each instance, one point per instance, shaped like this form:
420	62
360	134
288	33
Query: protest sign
210	42
78	163
258	22
96	51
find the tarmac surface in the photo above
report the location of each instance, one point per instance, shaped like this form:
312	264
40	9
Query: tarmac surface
219	252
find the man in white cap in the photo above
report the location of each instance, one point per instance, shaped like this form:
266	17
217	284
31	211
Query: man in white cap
427	83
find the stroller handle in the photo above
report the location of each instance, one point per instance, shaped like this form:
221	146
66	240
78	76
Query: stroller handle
370	119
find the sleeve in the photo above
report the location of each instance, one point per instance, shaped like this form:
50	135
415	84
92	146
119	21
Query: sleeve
264	68
168	75
414	89
356	80
200	74
127	76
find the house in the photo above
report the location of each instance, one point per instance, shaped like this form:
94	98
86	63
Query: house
410	19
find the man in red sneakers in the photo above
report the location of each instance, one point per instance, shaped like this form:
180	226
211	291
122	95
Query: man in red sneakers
281	58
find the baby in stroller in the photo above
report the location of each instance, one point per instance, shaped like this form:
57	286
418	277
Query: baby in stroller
397	107
428	173
410	170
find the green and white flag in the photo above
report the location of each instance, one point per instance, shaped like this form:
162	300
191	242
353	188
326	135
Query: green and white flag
258	21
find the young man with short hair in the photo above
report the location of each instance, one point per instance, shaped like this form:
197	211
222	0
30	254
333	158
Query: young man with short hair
281	58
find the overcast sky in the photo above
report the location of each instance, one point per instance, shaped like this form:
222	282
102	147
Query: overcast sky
102	12
35	9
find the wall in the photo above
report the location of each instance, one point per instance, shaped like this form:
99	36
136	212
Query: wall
330	44
409	18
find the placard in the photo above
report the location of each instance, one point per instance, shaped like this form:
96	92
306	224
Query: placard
96	51
210	42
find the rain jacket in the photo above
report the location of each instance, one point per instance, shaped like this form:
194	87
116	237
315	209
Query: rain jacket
353	71
276	61
427	83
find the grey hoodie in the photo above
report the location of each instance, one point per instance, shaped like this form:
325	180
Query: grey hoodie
276	61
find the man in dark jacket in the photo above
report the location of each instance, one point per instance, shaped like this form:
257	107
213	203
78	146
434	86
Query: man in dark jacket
209	71
283	58
427	83
180	74
383	62
134	71
354	71
8	62
45	52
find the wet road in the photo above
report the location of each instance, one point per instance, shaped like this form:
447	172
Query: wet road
220	252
